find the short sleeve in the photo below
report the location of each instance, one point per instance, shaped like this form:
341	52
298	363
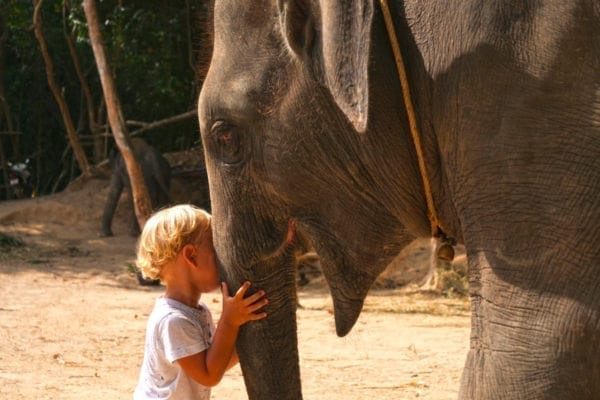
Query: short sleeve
181	338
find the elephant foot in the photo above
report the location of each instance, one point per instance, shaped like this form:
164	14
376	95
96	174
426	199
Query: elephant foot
303	280
105	234
144	281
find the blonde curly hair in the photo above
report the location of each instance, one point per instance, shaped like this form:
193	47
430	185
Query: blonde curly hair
166	233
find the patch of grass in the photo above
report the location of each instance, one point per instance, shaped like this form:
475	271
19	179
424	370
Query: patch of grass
131	268
7	241
38	261
453	280
424	307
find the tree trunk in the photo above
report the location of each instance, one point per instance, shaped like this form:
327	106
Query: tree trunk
4	109
62	104
85	87
4	105
141	199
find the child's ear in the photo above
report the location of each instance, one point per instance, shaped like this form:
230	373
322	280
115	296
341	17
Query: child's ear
189	251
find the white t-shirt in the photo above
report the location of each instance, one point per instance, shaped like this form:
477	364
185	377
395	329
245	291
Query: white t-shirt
174	331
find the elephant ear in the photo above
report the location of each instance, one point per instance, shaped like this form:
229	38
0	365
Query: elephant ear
335	40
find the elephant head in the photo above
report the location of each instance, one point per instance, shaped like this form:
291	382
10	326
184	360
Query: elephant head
283	114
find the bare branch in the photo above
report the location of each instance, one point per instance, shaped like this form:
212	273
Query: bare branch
163	122
58	96
146	126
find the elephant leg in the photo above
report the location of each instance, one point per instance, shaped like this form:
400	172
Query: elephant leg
163	184
114	192
523	349
154	193
158	189
134	226
163	199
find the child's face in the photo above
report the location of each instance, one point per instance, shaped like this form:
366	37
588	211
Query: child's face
207	278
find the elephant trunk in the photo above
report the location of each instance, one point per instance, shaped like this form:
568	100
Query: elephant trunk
268	349
268	353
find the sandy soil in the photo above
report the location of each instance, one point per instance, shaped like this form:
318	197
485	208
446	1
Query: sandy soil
72	318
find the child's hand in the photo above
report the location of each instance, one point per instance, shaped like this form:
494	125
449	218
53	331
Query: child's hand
238	310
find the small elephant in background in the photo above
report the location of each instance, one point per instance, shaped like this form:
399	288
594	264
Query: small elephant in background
157	175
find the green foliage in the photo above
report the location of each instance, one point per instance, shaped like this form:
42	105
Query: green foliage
149	45
7	241
26	91
150	48
453	277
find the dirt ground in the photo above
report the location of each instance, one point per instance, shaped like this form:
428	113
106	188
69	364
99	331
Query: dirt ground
72	317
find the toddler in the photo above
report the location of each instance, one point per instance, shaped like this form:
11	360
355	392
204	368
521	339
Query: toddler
184	354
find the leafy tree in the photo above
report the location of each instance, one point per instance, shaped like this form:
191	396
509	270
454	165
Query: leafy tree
154	49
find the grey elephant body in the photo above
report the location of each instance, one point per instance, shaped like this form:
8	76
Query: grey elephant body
309	124
157	176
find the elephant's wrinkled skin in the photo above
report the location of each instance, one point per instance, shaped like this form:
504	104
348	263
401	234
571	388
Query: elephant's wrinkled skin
157	175
302	119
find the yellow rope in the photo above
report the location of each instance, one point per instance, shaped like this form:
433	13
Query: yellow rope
412	121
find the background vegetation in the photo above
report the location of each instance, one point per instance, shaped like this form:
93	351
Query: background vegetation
156	49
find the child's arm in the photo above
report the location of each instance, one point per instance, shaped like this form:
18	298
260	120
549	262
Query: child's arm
208	367
234	360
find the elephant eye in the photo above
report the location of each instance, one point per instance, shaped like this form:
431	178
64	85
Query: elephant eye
226	138
228	142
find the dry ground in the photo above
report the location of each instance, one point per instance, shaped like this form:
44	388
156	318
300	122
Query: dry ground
72	318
